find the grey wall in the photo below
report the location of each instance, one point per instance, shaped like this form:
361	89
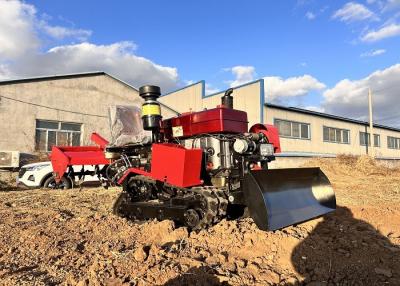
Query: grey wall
86	95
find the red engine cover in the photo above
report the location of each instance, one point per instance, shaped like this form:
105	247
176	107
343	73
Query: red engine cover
216	120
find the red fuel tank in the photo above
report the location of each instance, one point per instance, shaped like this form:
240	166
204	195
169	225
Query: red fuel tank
216	120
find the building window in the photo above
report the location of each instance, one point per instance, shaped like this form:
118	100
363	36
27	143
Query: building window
336	135
393	142
292	129
377	140
365	138
49	133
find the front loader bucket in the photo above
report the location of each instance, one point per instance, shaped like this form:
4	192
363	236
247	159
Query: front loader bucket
278	198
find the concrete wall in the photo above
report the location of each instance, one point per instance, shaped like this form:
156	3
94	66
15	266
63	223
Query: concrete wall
184	100
192	98
250	97
317	145
88	95
246	97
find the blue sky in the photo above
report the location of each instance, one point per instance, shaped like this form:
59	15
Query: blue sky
306	50
201	38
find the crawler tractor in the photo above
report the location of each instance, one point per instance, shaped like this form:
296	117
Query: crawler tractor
201	167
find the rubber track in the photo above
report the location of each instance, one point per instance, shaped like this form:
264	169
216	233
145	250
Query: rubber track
216	205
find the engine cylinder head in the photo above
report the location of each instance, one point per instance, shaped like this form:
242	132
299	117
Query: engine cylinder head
151	111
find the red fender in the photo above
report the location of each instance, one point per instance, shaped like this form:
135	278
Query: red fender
271	132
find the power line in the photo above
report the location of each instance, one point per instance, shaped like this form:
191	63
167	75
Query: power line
75	112
52	108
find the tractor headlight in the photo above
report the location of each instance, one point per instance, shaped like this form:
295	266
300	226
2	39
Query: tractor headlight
266	149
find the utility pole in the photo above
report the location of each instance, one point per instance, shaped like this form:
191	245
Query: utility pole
371	125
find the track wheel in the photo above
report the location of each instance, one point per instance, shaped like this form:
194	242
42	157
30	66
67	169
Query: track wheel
223	203
192	218
209	207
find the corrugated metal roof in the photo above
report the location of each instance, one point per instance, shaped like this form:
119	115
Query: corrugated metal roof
62	76
50	77
329	116
73	75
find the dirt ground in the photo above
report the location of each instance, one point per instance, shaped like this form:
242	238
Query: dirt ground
71	238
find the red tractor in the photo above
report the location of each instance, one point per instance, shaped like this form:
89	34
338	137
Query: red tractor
201	167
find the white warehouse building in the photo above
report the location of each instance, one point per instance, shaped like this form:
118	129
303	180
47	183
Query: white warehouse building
36	113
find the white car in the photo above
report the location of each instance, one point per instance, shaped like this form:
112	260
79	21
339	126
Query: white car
40	175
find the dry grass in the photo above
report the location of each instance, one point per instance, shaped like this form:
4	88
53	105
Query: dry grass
360	179
349	164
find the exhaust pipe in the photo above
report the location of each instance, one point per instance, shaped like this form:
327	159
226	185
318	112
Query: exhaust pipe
227	99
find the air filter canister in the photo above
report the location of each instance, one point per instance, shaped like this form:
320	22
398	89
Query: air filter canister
151	111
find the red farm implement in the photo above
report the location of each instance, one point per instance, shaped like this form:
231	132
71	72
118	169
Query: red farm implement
65	159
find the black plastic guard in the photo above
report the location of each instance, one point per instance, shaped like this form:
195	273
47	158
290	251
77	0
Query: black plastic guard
277	198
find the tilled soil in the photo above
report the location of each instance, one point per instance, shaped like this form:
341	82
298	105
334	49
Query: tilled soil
71	238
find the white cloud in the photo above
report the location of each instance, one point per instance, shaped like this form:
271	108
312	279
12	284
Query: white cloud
21	32
59	32
189	82
17	34
373	53
277	88
310	15
243	74
352	12
380	4
4	72
350	97
118	59
390	5
387	31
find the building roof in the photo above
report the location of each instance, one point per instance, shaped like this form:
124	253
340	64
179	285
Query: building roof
62	76
73	75
330	116
50	77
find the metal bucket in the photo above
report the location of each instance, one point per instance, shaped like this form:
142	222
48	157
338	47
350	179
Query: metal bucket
278	198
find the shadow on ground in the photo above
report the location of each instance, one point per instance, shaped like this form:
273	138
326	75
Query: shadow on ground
198	276
343	250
